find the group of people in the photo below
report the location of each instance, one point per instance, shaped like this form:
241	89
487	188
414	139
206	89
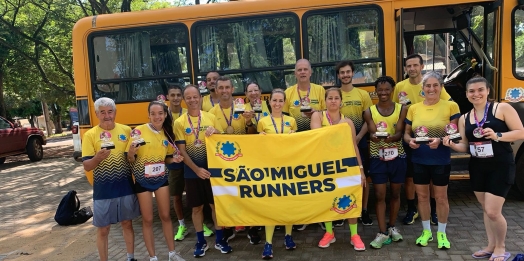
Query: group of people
408	144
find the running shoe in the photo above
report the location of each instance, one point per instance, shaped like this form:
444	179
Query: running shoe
175	256
410	217
443	242
252	234
268	251
278	227
395	235
339	223
153	258
299	227
357	243
380	240
365	219
424	238
240	229
182	233
224	247
288	242
131	259
228	234
200	249
327	240
322	226
207	232
433	218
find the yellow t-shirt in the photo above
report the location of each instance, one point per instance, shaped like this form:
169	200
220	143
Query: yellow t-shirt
407	93
112	177
292	105
325	121
354	103
236	120
207	103
391	124
266	125
435	118
153	154
175	115
185	134
258	116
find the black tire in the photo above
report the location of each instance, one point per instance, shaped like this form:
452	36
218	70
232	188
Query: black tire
518	187
34	149
2	160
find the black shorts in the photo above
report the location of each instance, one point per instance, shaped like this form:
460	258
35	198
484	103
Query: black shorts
177	182
364	157
495	177
199	192
139	189
409	164
425	174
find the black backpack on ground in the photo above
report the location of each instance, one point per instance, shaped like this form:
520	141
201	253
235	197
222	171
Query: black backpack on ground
69	212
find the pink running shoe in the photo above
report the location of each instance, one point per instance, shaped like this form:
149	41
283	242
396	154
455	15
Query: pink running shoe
327	240
357	243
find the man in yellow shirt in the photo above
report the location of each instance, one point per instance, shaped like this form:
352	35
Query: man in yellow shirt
209	101
407	92
303	98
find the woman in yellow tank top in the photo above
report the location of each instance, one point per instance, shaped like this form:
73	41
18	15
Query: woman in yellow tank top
277	123
329	117
385	122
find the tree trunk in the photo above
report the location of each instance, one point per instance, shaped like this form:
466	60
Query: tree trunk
3	112
32	120
45	109
57	120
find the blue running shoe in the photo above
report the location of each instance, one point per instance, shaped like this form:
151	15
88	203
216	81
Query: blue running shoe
224	247
268	251
200	249
410	217
288	242
434	219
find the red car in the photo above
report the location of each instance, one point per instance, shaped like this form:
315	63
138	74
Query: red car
19	140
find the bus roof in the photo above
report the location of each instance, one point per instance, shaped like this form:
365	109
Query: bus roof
235	8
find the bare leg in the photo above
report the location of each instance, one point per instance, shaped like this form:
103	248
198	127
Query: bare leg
409	188
214	214
145	199
491	236
380	207
198	217
394	203
423	201
162	201
441	197
365	197
102	234
178	206
493	209
129	235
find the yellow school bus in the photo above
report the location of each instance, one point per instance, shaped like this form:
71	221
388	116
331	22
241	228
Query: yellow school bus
133	57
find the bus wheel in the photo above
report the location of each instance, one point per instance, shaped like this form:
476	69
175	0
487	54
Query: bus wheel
518	187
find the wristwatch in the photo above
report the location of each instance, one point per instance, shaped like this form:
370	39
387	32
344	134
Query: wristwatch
499	135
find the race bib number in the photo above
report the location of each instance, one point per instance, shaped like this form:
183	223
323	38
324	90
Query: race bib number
387	154
154	169
482	149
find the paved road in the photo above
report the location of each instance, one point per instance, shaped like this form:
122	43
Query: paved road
30	193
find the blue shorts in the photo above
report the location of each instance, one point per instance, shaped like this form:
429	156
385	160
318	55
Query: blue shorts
393	171
114	210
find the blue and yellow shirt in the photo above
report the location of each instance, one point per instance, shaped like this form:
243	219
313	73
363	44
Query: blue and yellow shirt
156	150
407	93
185	135
317	96
435	118
112	177
175	116
354	103
266	125
391	123
237	120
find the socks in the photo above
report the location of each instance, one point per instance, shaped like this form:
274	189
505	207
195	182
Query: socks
200	236
182	222
130	256
442	227
352	229
426	225
219	235
289	229
411	204
329	227
269	234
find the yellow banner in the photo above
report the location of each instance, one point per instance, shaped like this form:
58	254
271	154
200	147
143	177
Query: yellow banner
279	179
